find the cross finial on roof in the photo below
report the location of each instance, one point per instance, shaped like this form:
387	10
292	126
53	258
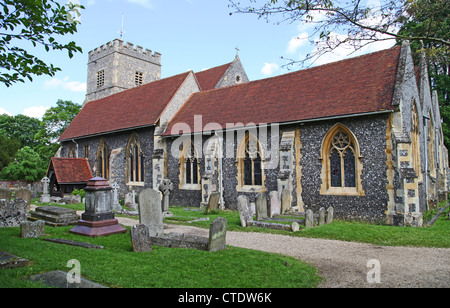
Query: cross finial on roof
237	51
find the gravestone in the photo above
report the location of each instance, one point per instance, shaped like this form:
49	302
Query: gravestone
213	202
285	201
275	204
217	234
166	187
295	226
116	205
309	219
12	214
150	212
244	210
30	229
330	213
322	216
98	218
55	216
45	198
261	207
140	238
5	194
24	194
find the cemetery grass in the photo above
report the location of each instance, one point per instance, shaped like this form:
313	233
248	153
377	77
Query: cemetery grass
118	266
377	234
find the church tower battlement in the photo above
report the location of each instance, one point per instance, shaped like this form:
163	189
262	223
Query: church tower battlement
115	66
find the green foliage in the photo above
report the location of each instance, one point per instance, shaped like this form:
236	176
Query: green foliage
27	166
20	127
80	192
41	23
56	120
8	149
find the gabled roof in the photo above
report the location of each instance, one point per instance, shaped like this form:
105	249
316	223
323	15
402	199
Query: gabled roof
208	79
71	170
358	85
133	108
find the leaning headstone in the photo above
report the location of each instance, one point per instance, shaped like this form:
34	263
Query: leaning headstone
30	229
309	219
285	201
213	202
322	214
244	211
166	187
150	212
261	207
5	194
330	213
217	234
140	238
275	205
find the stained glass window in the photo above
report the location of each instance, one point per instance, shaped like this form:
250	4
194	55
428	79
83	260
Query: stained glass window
342	161
136	161
335	169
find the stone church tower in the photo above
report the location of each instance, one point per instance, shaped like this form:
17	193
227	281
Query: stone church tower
115	67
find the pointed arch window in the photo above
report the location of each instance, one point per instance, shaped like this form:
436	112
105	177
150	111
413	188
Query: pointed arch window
189	167
135	171
415	140
341	163
250	164
102	159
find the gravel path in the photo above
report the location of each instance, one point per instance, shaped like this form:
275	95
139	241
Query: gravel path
344	264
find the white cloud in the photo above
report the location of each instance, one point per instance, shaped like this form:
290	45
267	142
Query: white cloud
269	68
296	42
73	86
145	3
36	111
4	111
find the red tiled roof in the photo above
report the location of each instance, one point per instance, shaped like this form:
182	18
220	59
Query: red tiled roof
208	79
71	170
136	107
358	85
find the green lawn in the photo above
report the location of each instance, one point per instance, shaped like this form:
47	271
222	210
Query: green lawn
118	266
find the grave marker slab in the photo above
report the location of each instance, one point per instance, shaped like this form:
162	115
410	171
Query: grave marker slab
275	204
30	229
244	211
261	207
217	234
140	238
150	211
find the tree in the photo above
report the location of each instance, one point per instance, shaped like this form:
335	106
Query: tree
53	124
27	166
22	128
362	21
39	22
8	149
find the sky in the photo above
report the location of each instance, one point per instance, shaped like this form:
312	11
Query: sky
190	35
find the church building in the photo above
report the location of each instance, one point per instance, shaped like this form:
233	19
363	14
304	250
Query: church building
363	135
